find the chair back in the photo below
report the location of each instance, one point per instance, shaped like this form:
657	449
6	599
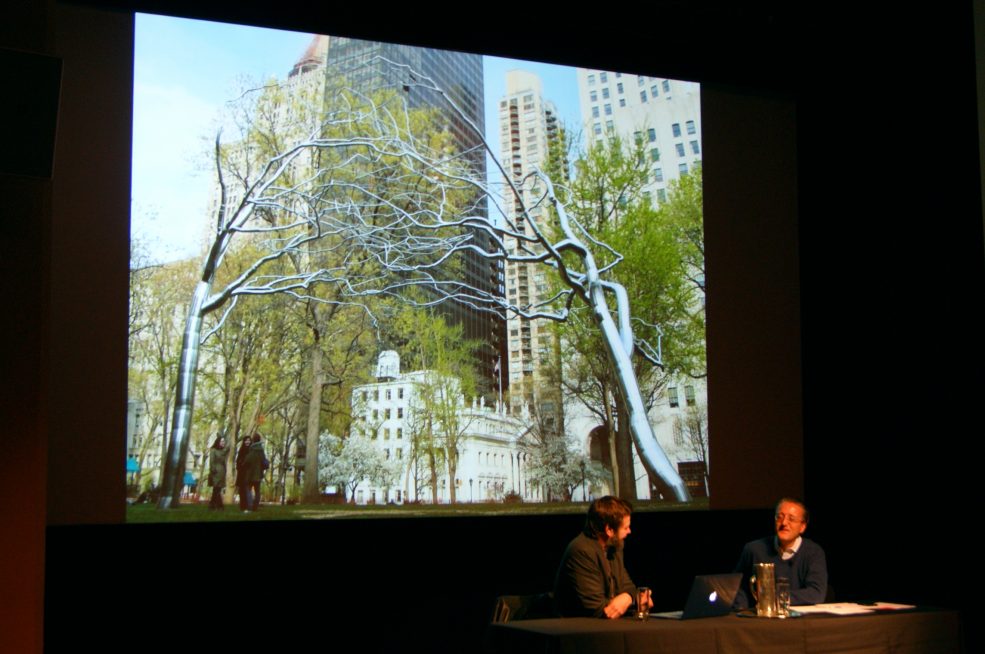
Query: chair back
523	607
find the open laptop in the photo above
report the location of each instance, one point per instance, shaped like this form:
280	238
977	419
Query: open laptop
710	596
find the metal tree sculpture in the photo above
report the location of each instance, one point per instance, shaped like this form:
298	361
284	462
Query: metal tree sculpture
392	210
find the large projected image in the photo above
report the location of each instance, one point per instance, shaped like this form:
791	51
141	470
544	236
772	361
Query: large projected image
372	279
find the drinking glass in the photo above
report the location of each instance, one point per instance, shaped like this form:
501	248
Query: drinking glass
642	603
783	597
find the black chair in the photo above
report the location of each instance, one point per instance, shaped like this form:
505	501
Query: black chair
523	607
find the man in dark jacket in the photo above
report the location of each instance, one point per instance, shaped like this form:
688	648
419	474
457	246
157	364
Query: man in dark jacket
254	464
242	477
592	579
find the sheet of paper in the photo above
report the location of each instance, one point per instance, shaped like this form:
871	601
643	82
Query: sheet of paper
840	608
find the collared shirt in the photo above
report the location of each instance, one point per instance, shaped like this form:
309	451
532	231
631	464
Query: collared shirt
788	553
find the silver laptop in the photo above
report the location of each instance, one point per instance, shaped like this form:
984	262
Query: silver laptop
710	596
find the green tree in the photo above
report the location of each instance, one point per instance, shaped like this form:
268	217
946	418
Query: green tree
653	253
438	422
157	292
319	181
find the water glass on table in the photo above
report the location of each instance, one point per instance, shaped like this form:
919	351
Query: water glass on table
643	603
783	597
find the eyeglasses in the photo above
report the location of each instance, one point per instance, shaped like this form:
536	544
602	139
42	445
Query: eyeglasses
783	517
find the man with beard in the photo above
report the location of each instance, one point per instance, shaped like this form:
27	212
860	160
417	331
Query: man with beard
794	557
592	580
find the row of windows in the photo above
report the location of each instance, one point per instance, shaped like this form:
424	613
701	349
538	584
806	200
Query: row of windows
679	147
651	133
387	413
388	393
386	434
674	397
640	81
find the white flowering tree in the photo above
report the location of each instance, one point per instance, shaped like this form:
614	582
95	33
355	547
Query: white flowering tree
372	204
350	461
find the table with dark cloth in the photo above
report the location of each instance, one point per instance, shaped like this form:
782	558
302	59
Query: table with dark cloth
899	632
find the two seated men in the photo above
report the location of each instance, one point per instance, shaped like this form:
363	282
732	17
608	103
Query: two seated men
592	579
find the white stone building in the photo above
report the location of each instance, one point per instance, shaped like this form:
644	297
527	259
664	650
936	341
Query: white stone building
491	448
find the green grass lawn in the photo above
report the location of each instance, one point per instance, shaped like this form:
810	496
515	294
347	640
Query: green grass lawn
191	512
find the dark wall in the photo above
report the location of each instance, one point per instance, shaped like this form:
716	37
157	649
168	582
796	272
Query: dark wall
890	292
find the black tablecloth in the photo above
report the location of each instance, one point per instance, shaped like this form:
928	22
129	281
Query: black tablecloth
898	632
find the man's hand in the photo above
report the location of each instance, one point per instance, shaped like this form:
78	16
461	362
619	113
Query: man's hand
618	605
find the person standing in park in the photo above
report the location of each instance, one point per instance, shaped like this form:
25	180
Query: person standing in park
254	465
217	471
242	476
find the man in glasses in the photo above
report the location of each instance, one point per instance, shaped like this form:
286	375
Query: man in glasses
794	557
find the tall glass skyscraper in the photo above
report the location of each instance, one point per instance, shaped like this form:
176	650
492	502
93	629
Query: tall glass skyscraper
460	76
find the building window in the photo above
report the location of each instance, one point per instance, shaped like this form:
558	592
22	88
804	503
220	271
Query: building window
672	397
603	77
591	79
640	81
619	88
376	414
695	148
386	434
658	175
666	85
661	195
595	112
388	393
653	90
388	414
622	102
680	149
690	127
676	129
608	110
643	96
682	168
609	127
605	92
651	134
387	451
593	96
678	433
655	154
400	433
597	129
689	395
400	393
400	412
